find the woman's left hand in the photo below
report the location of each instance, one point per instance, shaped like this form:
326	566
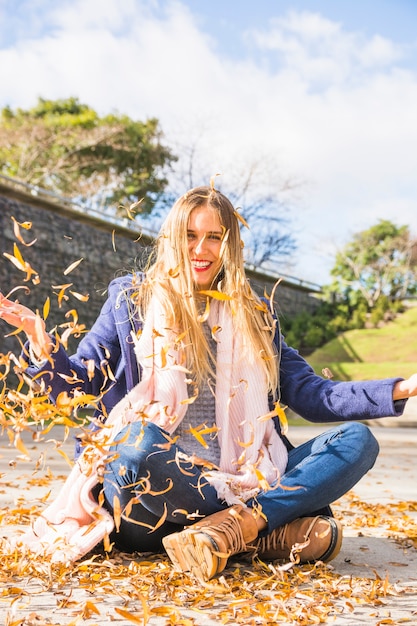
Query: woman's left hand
405	388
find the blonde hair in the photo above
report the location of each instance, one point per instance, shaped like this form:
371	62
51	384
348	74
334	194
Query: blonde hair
170	279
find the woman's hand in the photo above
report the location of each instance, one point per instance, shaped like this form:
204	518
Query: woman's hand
405	388
31	323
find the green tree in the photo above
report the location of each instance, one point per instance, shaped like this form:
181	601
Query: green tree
66	147
378	263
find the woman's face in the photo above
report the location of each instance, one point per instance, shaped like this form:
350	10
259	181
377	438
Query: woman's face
205	234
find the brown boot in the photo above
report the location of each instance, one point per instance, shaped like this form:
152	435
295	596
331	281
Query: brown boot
305	540
204	547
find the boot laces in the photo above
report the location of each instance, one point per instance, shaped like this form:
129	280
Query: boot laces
277	538
231	529
272	540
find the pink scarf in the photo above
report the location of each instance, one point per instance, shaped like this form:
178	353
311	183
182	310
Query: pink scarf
253	455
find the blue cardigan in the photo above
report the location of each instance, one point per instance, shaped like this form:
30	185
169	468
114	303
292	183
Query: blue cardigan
109	343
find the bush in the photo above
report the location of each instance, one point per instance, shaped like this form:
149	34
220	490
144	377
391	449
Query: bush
359	316
308	331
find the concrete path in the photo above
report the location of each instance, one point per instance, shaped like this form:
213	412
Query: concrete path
373	581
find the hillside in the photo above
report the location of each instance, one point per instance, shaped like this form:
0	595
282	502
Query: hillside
372	353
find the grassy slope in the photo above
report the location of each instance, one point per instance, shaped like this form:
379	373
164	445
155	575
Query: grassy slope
374	353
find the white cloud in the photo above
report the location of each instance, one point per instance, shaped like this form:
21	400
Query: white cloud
320	50
334	107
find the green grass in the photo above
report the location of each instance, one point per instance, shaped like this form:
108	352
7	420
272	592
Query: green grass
372	353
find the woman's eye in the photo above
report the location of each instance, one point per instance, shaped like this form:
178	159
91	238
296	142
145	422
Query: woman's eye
208	236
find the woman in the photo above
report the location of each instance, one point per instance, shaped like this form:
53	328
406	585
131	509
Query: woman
190	451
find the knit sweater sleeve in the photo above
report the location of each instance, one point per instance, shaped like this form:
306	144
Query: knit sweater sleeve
317	399
102	351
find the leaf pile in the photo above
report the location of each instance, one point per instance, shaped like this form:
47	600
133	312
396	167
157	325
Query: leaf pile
140	589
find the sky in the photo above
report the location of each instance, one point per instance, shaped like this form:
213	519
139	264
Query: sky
318	93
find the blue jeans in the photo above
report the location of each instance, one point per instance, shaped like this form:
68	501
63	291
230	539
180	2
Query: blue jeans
169	492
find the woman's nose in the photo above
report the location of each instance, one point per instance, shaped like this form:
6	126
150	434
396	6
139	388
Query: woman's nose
199	247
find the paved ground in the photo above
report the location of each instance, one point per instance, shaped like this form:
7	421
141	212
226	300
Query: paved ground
376	554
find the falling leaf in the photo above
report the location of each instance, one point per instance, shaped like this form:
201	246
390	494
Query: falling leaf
327	373
46	308
174	272
72	267
79	296
61	294
24	287
241	219
217	295
18	443
282	418
16	228
163	354
22	265
200	431
214	331
66	457
117	512
247	444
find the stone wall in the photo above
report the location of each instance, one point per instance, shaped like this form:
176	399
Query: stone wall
63	236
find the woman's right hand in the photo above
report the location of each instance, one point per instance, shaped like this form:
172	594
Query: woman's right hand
31	323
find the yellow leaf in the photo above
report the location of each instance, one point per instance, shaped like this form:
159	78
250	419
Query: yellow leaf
117	512
21	264
61	295
17	234
196	433
65	456
18	255
282	418
46	308
247	444
72	267
135	619
25	225
263	483
280	413
71	379
80	296
90	364
164	610
327	373
164	351
46	497
214	331
162	519
241	219
174	272
212	181
24	287
89	609
181	336
217	295
14	591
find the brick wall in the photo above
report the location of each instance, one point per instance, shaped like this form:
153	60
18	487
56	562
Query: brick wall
62	237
